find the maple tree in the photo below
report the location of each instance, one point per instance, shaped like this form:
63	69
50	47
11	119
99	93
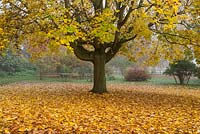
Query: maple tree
95	30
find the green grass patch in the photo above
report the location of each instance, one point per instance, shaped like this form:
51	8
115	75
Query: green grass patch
117	79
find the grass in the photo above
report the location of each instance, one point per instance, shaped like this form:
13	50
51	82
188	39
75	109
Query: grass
163	80
13	79
118	79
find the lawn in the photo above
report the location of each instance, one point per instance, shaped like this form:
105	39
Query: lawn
69	108
163	80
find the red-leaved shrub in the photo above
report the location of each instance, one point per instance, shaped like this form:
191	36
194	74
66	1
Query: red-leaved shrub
136	74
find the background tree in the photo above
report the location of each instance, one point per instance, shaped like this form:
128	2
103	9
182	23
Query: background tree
71	64
11	63
47	65
182	70
95	30
197	73
120	63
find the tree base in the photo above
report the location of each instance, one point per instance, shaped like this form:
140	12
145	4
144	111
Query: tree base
98	91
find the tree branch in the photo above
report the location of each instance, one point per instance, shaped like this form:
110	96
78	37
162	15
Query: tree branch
129	39
126	17
98	4
115	48
175	35
67	4
149	7
122	22
82	53
27	12
149	1
173	42
112	52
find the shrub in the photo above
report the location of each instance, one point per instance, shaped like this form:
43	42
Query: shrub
136	74
25	73
13	63
181	70
197	73
110	77
3	73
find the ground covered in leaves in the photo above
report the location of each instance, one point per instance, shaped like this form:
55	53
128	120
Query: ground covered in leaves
53	108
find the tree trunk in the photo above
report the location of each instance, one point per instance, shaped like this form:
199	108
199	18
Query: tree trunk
188	78
40	73
181	79
99	74
175	78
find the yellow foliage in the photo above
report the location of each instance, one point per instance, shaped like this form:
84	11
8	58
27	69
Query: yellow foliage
70	108
3	39
48	24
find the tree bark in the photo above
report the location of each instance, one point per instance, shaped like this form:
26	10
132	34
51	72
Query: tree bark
181	79
99	73
98	58
40	68
188	78
175	78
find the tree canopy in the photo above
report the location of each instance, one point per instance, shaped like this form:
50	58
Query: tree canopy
95	30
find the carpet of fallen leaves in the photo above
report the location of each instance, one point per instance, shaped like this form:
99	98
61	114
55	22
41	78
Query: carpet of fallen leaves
52	108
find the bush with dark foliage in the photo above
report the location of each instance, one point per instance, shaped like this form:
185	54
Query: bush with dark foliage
197	73
181	70
136	74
